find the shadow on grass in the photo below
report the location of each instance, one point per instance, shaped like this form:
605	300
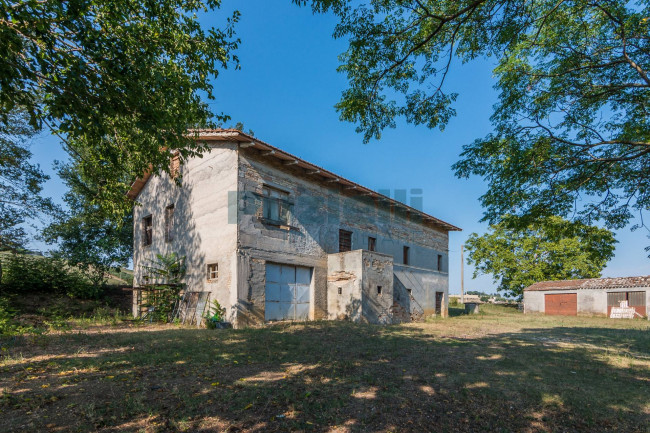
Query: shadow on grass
331	375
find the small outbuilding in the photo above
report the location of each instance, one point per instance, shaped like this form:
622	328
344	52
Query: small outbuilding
590	297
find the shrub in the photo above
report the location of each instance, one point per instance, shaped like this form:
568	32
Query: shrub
24	273
214	315
8	326
165	274
455	302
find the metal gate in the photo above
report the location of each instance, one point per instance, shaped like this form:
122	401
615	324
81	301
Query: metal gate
287	292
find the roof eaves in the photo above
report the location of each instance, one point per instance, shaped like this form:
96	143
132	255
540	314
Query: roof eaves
235	135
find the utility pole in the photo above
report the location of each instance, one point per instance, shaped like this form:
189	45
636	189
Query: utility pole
462	276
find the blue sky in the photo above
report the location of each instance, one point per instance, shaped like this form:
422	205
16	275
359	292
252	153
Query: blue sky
285	92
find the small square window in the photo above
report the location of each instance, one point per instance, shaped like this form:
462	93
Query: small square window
379	290
409	291
372	244
340	290
213	272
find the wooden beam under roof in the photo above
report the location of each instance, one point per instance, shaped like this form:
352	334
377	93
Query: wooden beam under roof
246	140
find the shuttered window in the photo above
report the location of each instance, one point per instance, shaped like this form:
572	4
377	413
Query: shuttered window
614	298
169	223
275	205
345	241
635	299
147	230
175	166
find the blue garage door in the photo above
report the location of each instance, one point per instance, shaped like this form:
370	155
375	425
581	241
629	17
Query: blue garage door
287	292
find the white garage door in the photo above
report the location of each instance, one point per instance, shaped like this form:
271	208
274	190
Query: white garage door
287	292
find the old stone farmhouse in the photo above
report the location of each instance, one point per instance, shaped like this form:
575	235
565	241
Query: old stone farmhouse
274	237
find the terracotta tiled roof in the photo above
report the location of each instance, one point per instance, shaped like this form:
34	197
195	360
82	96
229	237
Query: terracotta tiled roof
319	173
591	283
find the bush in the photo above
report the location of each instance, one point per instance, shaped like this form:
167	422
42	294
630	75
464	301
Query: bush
214	315
24	273
455	302
8	326
165	274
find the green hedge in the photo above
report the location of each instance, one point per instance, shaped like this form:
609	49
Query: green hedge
24	273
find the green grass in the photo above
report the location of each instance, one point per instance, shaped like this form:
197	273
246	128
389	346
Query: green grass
496	371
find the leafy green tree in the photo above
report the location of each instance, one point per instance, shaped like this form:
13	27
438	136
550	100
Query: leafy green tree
20	182
572	121
118	80
554	249
86	236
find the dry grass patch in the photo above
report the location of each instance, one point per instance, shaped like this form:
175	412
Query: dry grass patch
498	371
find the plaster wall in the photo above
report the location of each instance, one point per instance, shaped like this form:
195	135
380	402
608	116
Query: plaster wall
202	232
317	214
358	275
217	219
423	285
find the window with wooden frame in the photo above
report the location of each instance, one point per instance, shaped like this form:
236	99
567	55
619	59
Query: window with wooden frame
407	253
345	241
175	165
275	205
372	244
635	299
147	230
169	223
213	272
440	262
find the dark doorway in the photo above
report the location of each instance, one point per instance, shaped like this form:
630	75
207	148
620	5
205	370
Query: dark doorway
439	296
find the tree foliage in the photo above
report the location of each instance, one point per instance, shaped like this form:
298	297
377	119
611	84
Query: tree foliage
20	181
85	234
117	80
26	273
571	126
553	249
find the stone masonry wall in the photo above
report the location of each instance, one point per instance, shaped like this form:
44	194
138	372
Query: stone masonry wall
319	211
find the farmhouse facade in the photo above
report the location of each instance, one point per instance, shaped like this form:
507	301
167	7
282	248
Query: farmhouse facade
594	296
273	237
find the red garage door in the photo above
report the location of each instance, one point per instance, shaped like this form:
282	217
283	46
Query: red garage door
565	304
